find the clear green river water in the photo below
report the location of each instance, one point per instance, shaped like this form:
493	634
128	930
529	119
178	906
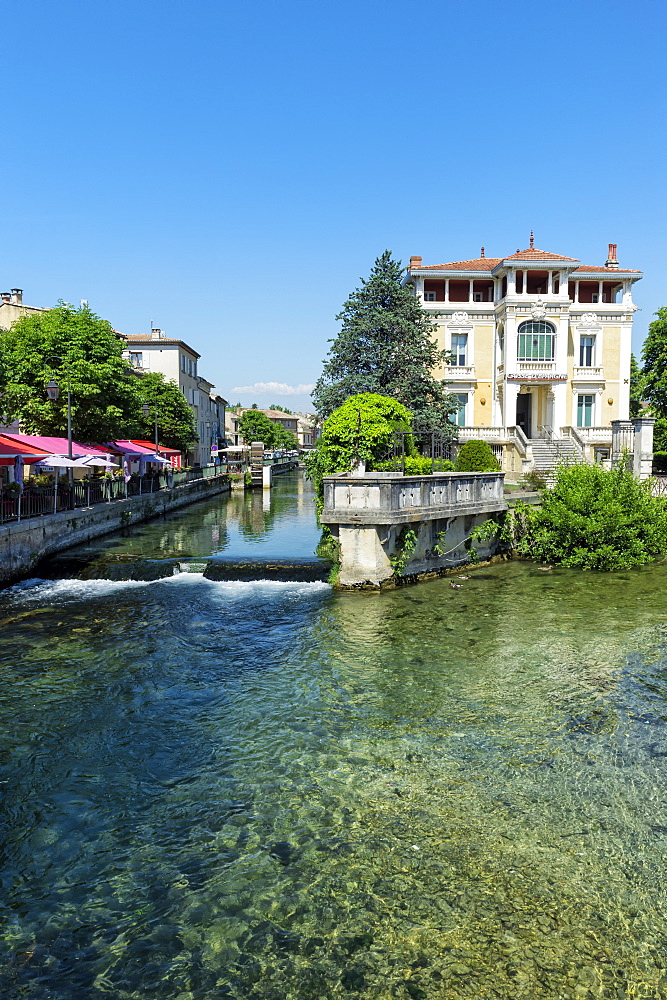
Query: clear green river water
272	791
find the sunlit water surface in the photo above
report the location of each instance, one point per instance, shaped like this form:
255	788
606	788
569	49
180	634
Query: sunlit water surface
269	790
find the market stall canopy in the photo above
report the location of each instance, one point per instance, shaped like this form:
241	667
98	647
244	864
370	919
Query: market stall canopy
136	452
10	449
162	450
58	446
91	460
60	462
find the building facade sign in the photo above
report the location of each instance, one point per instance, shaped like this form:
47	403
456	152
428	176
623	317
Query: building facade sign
537	377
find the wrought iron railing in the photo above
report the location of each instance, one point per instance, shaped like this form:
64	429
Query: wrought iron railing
35	501
431	444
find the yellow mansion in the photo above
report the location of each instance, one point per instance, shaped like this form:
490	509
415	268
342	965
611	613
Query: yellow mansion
541	350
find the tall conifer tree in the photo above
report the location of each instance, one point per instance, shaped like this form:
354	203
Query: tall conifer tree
386	345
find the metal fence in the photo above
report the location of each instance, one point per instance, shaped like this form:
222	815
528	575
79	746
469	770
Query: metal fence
431	445
34	501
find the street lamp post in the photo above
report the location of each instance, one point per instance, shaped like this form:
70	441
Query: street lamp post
53	391
146	410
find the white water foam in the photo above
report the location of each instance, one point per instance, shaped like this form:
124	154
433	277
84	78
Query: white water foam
36	589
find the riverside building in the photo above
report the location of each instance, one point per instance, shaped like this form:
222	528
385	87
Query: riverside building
177	361
541	348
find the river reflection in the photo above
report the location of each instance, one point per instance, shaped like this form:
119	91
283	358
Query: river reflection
266	791
255	523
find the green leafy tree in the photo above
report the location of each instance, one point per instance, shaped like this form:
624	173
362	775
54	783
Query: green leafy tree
386	345
104	390
285	438
592	518
359	430
476	456
176	423
256	426
636	387
654	360
650	383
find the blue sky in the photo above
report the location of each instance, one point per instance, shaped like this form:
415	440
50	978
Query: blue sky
231	172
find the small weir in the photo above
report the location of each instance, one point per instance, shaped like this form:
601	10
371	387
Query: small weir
120	568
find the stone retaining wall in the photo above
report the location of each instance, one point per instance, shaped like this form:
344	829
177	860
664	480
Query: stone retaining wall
23	544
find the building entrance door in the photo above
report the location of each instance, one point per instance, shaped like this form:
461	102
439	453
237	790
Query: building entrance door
523	413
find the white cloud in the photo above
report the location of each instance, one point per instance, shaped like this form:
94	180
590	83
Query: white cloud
276	389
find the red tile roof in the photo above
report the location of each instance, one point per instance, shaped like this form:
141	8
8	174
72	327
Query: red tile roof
607	270
531	254
481	264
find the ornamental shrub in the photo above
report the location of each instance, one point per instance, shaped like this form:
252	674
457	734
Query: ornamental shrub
360	429
592	518
476	456
415	465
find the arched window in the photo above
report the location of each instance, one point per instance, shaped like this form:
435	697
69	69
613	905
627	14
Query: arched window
536	341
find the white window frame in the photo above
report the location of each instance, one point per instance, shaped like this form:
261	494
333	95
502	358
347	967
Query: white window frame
457	363
594	397
462	406
587	336
550	331
430	296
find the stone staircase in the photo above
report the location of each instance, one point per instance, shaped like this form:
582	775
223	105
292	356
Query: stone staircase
548	452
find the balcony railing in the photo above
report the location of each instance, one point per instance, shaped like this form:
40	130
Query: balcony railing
485	433
536	366
592	435
459	371
588	371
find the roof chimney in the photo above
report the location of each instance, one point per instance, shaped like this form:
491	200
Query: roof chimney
17	296
6	296
611	257
415	262
156	332
481	252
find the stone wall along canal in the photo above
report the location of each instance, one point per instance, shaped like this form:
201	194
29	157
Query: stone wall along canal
269	790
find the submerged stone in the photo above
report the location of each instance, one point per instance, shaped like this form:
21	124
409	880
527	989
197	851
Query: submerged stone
282	852
353	979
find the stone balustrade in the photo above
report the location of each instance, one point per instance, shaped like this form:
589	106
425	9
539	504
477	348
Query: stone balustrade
390	498
372	516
